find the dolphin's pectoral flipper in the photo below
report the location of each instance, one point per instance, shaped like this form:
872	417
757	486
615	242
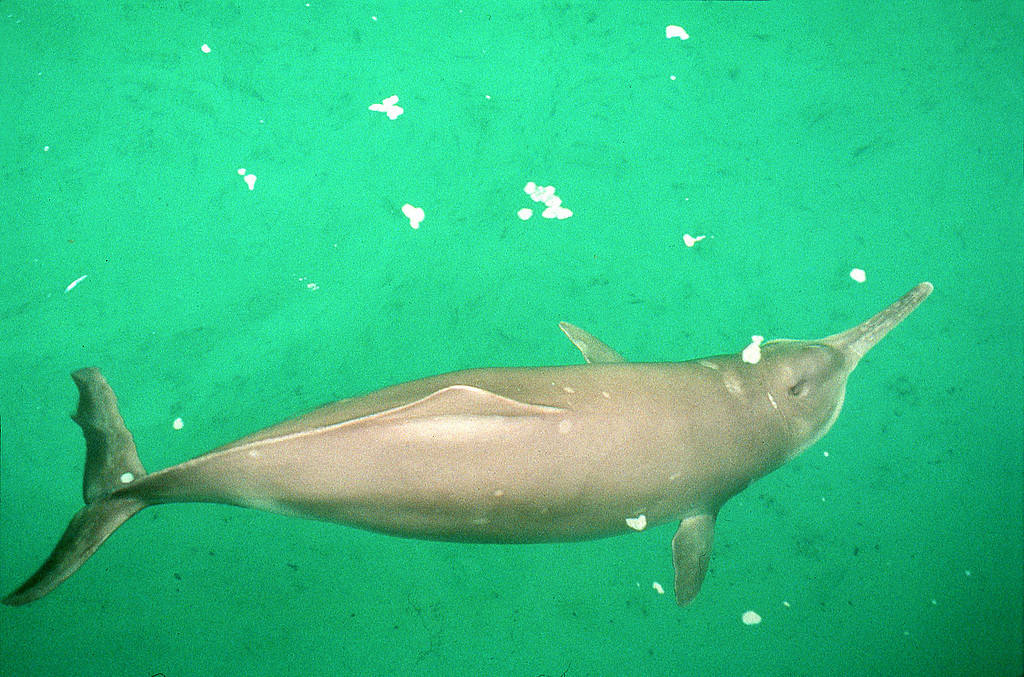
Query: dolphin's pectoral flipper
691	550
111	463
594	350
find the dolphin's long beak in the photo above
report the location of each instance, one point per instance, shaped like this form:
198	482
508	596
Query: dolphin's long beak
853	343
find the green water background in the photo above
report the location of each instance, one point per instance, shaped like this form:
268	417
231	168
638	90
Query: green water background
802	140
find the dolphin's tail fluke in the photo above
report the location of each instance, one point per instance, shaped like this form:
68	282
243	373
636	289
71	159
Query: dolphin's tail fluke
111	464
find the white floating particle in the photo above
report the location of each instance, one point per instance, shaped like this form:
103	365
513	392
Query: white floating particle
250	180
785	604
671	77
241	171
657	588
126	478
388	106
205	48
858	275
935	602
752	353
525	213
676	32
967	572
414	214
178	424
529	187
46	148
751	618
638	523
690	240
825	454
312	285
559	213
74	284
543	193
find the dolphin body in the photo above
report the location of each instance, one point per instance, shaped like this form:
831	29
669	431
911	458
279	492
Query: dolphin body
502	455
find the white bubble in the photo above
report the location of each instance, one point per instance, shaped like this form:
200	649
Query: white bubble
751	618
205	48
525	213
858	275
241	171
178	424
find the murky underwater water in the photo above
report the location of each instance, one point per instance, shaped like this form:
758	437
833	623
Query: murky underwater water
222	207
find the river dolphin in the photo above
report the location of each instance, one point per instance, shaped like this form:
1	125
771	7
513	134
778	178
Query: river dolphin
501	455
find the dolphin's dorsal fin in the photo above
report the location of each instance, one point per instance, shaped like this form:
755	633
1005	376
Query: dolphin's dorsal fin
594	350
691	550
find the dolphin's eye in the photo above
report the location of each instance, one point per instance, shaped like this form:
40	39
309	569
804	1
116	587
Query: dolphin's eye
798	389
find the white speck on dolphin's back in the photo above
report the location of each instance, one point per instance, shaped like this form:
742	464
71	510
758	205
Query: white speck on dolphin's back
752	353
